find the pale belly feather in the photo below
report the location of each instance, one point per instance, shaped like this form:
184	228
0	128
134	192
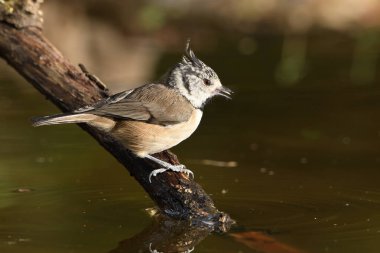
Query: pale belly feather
143	139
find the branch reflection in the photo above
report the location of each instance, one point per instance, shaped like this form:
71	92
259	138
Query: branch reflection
165	235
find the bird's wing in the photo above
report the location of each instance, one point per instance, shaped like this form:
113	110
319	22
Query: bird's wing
111	99
154	103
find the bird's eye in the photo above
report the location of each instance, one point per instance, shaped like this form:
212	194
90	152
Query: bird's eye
207	81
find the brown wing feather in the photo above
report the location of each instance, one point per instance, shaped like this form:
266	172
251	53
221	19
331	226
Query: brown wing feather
153	103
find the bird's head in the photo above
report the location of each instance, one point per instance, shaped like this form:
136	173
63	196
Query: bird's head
195	80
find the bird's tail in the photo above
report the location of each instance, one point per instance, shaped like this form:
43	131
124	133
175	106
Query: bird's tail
63	119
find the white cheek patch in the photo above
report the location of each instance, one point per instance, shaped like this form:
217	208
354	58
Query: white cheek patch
194	93
189	82
192	81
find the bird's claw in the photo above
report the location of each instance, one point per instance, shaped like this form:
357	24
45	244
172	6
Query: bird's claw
189	173
155	173
176	168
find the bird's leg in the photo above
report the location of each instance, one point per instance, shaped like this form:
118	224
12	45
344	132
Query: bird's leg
167	166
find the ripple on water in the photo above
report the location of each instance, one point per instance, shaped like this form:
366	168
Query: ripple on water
342	215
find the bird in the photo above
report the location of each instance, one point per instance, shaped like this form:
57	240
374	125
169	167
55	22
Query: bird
156	116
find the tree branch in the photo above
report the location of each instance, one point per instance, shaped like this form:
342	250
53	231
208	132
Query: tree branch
24	47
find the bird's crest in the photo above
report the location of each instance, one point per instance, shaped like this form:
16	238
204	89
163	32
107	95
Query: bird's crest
190	57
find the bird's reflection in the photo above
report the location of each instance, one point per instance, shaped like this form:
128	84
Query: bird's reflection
165	235
155	251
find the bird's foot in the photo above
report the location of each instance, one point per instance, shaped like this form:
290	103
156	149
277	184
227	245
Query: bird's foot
176	168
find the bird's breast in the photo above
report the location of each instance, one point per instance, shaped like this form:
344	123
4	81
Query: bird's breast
144	138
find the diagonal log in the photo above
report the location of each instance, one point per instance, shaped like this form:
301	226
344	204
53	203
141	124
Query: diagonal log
24	47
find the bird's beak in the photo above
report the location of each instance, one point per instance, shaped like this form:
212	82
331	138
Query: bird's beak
224	92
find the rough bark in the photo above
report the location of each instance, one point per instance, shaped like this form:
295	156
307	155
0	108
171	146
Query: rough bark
24	47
